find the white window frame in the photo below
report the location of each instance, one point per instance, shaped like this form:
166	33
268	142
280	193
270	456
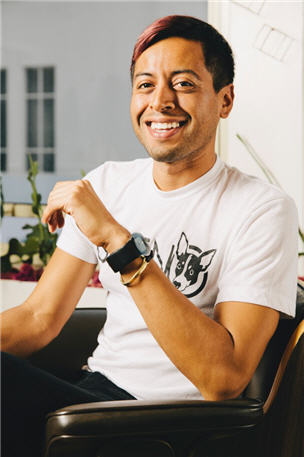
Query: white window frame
40	96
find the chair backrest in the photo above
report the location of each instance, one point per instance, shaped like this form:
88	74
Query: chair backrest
262	380
68	352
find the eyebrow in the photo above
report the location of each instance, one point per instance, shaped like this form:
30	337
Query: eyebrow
142	74
175	72
186	70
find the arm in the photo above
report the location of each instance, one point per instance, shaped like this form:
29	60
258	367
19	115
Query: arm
218	356
32	325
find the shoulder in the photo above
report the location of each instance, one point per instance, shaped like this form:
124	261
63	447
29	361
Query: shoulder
251	193
117	168
113	174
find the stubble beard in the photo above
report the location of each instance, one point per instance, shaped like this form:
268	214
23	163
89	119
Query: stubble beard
162	154
185	150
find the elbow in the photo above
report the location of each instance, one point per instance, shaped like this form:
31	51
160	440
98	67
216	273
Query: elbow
223	386
221	394
46	330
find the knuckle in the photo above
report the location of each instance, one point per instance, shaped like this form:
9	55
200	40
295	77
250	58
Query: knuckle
78	186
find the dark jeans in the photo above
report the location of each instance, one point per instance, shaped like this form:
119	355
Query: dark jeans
29	394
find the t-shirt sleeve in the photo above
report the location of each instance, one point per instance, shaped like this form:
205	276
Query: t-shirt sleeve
74	242
260	265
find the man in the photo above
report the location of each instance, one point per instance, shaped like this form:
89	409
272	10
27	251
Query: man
194	321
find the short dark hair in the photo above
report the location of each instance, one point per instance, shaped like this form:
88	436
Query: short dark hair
217	52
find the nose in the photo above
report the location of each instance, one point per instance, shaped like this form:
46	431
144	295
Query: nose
177	284
162	98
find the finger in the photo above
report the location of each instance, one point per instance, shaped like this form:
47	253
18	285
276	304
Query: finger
46	214
60	219
44	218
49	211
52	222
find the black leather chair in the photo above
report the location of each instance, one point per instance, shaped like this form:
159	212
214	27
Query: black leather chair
267	421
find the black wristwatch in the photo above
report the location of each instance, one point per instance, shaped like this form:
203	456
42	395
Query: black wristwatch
137	246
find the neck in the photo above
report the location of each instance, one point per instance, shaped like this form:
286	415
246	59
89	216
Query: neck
171	176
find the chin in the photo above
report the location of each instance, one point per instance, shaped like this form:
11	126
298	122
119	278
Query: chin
167	156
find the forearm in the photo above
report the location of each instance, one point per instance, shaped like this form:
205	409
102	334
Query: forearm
200	348
22	331
32	325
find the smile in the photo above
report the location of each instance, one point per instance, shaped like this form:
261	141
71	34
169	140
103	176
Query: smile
164	130
165	125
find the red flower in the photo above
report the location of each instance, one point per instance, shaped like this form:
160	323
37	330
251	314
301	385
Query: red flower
26	273
94	282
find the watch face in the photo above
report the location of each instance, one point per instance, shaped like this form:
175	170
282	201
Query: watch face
140	243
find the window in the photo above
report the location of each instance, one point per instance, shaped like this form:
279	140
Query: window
3	121
40	110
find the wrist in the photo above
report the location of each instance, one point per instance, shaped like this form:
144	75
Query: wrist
137	246
116	240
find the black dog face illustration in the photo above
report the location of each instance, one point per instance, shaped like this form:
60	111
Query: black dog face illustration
186	266
190	267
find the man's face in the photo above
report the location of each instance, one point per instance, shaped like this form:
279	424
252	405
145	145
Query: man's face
174	108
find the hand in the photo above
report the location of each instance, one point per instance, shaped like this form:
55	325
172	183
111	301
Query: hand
79	199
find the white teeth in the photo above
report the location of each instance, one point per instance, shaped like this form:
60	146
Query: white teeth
164	125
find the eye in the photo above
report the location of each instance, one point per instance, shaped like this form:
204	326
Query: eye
191	272
179	266
182	84
144	85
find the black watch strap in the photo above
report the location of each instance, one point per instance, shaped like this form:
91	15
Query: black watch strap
125	255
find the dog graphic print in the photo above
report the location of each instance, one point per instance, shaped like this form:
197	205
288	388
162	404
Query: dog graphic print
187	266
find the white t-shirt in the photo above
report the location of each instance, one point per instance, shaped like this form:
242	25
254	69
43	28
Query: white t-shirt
226	236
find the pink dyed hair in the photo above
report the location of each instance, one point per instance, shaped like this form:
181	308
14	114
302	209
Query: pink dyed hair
216	50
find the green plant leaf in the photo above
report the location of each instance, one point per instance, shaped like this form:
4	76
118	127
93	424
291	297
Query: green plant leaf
5	262
267	172
31	246
15	247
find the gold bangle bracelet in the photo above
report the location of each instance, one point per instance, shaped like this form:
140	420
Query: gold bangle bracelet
136	274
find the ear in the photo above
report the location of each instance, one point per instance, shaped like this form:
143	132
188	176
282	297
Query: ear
206	259
226	95
182	246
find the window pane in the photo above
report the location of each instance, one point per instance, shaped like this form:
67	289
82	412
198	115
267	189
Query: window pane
48	123
34	157
48	80
32	123
3	161
3	123
3	81
48	162
32	80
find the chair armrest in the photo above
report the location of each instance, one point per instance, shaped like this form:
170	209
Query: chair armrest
136	417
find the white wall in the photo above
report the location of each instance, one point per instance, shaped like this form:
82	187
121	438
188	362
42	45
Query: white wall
268	107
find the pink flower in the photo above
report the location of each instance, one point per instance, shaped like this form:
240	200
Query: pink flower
94	282
26	273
